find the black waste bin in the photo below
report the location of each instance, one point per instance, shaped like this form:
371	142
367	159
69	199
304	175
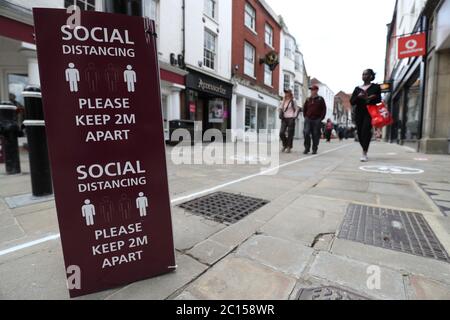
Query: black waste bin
187	125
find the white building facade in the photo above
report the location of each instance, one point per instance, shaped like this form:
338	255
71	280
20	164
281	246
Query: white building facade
293	73
328	95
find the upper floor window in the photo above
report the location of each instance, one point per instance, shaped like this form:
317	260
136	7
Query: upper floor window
88	5
287	81
250	17
210	8
151	9
297	94
209	53
288	47
268	75
297	62
269	35
249	60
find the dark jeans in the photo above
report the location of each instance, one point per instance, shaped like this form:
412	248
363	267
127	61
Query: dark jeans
289	126
328	135
312	128
364	127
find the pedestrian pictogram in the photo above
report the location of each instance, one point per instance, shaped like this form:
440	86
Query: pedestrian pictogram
142	204
130	78
88	211
72	77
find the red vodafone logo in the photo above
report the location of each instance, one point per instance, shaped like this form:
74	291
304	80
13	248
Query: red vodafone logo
412	46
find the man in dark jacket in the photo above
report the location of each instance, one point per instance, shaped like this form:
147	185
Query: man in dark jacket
314	111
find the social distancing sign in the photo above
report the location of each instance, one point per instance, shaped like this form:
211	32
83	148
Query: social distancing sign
101	95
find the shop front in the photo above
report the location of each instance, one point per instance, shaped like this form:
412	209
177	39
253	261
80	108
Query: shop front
208	100
172	94
255	113
407	107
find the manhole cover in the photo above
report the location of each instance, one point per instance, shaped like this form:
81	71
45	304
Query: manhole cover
224	207
328	293
397	230
391	170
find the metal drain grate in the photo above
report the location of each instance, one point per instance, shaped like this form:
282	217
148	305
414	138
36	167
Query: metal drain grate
396	230
328	293
224	207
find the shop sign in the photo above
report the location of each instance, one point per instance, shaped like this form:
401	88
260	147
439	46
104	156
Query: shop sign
412	46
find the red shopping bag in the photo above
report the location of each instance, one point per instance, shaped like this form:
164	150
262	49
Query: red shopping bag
380	114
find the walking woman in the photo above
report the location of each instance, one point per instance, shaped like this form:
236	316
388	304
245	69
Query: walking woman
289	112
367	94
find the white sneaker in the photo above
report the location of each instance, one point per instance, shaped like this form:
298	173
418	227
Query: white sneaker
364	159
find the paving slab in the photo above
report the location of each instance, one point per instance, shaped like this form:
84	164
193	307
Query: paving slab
39	223
237	233
425	289
236	278
405	202
190	230
278	254
37	276
344	184
209	252
162	287
302	225
402	262
10	233
345	195
355	275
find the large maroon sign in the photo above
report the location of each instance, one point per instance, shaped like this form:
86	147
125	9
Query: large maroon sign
101	95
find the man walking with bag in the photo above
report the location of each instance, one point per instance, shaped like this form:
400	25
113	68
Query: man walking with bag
288	112
314	111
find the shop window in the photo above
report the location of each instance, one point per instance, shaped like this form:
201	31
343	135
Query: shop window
16	85
272	120
87	5
210	50
412	118
250	17
165	111
250	119
269	35
249	60
268	75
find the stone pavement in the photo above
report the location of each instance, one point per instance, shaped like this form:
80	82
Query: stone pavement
286	246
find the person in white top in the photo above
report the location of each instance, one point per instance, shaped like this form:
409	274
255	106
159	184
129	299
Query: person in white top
288	112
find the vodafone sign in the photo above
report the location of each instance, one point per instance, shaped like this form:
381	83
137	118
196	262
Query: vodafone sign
412	46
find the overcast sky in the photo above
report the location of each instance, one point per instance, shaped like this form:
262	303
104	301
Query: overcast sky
339	38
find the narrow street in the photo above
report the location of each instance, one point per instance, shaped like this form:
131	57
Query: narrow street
295	241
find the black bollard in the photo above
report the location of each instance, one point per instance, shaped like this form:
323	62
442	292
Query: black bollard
9	129
41	179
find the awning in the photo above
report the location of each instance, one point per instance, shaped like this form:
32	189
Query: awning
16	30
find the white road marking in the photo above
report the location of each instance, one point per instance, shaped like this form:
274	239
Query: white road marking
182	199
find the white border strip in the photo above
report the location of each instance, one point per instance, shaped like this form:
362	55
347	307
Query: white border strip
34	123
185	198
29	244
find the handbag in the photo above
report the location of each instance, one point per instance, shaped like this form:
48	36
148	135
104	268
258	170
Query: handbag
380	114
